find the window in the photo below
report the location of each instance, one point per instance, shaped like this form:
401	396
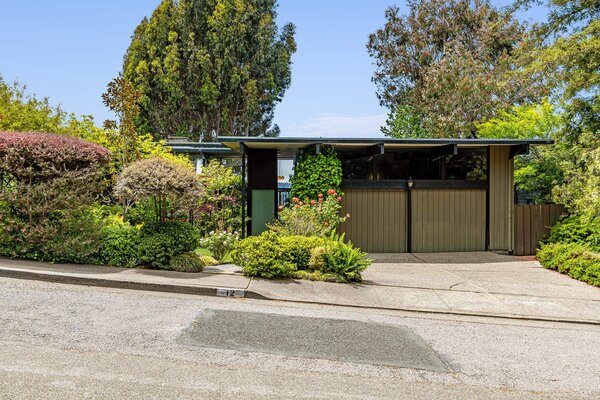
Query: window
468	164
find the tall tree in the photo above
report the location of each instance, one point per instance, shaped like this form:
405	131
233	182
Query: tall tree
210	66
451	63
567	48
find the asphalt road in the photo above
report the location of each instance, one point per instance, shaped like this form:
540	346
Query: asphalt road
69	342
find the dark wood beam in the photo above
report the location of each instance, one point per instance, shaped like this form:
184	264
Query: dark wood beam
375	150
518	150
446	150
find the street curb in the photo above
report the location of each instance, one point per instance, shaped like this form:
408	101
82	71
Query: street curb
108	283
448	312
250	294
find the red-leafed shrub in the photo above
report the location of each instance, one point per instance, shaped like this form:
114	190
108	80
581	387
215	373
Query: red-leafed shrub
36	157
47	182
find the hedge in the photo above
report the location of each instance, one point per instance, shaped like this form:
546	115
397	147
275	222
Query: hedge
576	260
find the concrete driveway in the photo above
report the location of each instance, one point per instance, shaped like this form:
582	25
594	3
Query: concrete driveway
476	283
487	282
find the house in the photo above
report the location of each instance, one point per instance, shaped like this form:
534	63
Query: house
403	195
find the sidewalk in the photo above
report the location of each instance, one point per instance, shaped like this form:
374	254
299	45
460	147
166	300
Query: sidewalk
485	285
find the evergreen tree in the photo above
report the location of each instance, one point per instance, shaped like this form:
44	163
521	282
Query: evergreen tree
207	67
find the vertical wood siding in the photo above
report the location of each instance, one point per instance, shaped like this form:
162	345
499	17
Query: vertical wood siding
377	222
501	198
448	220
532	224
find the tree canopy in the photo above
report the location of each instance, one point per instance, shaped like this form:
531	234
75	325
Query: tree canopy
452	63
21	111
210	66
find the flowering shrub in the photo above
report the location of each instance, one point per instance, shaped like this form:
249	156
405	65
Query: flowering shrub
317	217
220	243
220	207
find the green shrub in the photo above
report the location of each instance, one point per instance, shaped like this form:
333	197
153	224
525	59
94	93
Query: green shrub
262	256
316	173
273	256
77	238
141	212
220	243
575	260
160	242
575	229
120	244
186	262
297	249
69	237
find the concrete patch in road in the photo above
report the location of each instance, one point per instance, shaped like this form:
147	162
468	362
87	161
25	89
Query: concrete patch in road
332	339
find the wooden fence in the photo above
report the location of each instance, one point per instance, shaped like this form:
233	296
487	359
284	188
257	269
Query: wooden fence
532	224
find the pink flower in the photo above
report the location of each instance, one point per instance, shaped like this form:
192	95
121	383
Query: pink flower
339	198
312	202
319	195
296	206
320	199
331	191
295	199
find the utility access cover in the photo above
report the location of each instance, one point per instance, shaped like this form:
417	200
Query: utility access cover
320	338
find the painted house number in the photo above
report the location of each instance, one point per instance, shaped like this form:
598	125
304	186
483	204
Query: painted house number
231	292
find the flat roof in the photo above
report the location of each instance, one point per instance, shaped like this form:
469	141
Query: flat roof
188	147
234	142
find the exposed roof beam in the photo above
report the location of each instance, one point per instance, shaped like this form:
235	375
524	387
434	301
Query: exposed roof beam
375	150
445	150
517	150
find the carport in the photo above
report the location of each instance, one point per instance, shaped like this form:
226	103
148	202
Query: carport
403	195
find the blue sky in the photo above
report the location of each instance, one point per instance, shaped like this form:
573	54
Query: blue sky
69	50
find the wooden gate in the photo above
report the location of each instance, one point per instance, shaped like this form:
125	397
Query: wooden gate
377	222
446	220
441	219
532	224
